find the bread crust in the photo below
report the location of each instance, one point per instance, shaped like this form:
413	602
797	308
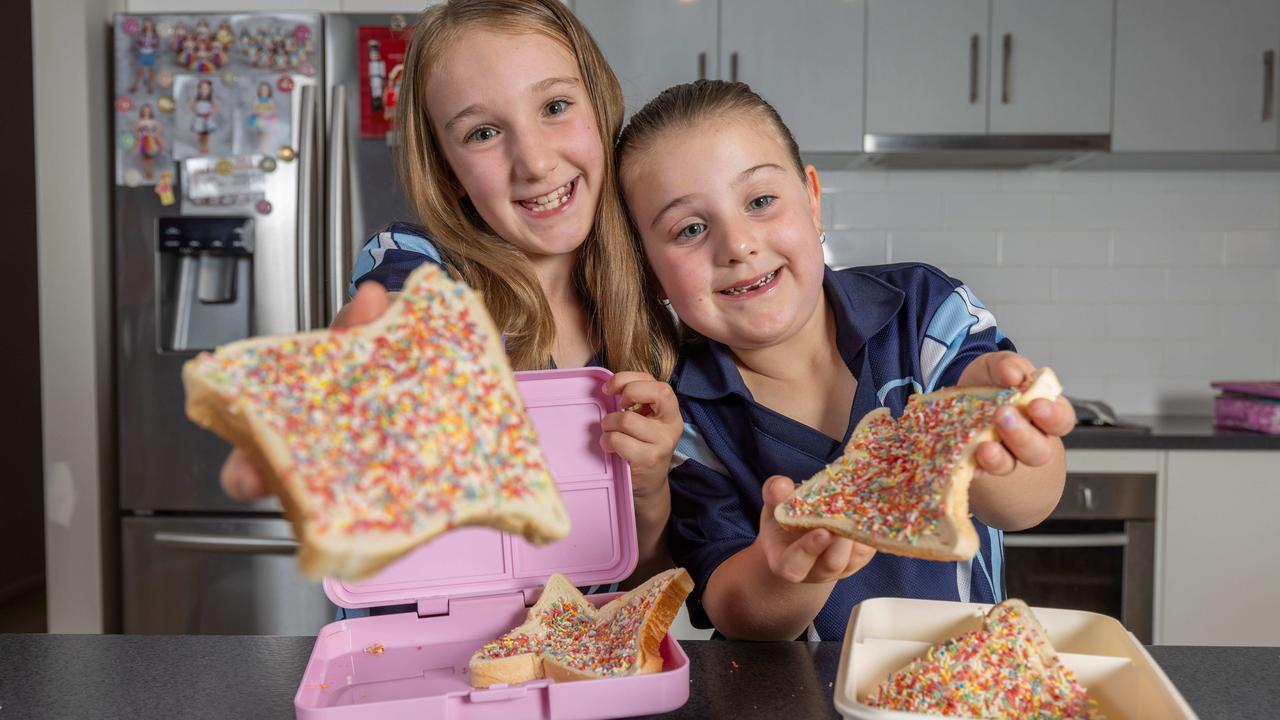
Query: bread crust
672	587
224	409
956	538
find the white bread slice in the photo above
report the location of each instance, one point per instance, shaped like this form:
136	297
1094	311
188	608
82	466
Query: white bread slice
380	437
1006	669
566	638
902	486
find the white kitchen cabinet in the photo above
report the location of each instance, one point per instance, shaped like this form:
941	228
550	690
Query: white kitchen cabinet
1218	569
805	59
1192	76
655	44
967	67
1050	67
233	6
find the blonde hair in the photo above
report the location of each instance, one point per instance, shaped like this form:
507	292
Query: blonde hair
623	310
681	107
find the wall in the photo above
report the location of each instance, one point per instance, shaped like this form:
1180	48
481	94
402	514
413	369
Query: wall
1137	287
73	141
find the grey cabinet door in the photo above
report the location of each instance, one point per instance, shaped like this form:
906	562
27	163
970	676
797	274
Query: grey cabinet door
1050	66
654	44
805	59
926	66
1192	76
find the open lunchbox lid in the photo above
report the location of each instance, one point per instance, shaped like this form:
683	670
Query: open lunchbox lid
566	407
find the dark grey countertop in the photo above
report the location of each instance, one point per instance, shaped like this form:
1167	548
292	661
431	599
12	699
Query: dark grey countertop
123	676
1169	432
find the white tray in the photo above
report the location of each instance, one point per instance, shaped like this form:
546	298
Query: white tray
885	634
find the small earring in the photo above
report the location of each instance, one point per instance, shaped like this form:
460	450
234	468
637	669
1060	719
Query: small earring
822	239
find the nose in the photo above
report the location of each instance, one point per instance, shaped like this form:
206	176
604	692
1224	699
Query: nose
736	243
533	156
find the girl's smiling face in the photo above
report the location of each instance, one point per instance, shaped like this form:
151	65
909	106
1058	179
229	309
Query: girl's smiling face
513	118
730	229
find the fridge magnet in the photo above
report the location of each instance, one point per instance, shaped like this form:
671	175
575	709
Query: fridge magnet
286	153
285	83
147	42
201	122
132	178
267	164
126	141
166	104
207	188
164	78
124	104
263	207
382	51
164	188
229	78
264	118
150	136
164	30
131	26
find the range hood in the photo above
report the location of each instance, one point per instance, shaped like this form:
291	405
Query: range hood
979	151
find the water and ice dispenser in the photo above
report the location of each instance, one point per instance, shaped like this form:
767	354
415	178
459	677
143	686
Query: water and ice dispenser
204	281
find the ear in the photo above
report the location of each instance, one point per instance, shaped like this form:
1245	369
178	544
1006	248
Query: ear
813	186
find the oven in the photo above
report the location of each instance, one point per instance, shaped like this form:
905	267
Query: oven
1095	552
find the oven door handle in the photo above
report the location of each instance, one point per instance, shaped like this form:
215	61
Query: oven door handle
227	543
1029	540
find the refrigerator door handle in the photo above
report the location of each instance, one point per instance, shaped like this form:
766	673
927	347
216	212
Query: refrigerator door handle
340	256
307	219
226	543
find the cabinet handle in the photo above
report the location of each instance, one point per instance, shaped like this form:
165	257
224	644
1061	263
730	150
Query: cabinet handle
1004	68
702	66
1268	83
973	69
733	67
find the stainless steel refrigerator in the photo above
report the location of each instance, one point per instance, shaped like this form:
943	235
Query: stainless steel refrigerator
253	158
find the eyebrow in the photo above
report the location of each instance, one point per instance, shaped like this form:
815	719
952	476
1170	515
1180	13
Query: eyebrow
743	176
539	87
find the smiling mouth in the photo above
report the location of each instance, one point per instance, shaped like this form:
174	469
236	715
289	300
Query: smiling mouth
552	200
748	287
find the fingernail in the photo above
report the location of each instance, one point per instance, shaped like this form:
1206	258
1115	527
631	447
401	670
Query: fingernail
1009	418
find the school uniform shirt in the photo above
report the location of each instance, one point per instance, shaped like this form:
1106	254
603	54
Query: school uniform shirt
388	259
901	329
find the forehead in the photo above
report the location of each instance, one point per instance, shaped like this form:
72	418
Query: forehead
489	66
704	155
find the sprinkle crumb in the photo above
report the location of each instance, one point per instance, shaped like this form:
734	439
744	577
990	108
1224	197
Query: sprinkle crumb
374	649
734	663
324	686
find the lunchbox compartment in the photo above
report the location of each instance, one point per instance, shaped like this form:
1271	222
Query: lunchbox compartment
886	634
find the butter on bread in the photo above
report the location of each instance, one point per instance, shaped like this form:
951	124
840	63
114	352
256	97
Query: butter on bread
379	437
1008	669
567	638
902	486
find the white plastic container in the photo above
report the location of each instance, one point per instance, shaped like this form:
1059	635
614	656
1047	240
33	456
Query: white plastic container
886	634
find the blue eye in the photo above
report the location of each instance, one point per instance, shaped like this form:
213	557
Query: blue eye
481	134
761	202
557	107
691	230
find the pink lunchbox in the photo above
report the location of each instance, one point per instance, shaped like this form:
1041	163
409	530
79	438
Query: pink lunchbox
1248	406
473	584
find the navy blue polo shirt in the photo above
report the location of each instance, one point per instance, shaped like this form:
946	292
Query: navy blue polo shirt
901	329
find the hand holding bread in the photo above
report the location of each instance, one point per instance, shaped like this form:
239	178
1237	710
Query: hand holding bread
814	556
1021	439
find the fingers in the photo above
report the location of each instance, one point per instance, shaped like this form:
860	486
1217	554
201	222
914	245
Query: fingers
642	456
654	397
994	459
240	480
1009	369
370	302
641	427
816	556
1053	417
796	561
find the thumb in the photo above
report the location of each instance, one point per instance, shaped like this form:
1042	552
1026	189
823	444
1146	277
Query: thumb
777	490
370	302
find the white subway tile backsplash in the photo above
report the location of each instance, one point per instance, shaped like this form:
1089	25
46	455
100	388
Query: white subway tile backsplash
1138	287
849	248
964	209
1060	321
944	247
1109	284
1161	321
1164	248
1224	285
1222	360
1054	247
1004	285
889	210
1252	248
